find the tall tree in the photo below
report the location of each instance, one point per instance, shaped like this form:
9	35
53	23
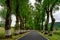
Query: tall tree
8	19
41	13
52	17
23	10
47	21
46	5
17	28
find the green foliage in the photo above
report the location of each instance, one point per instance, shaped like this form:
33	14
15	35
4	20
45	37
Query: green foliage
32	17
2	2
3	13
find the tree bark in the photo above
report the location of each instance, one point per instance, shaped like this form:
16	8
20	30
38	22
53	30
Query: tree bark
8	19
47	21
17	29
21	25
42	27
52	23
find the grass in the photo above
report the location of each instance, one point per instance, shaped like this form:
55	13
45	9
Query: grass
55	36
2	34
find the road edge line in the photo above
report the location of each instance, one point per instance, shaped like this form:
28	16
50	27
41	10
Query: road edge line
23	35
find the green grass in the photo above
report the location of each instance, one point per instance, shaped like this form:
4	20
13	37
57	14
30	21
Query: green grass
55	36
2	34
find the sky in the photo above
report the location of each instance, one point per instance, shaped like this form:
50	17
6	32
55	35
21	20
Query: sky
13	17
32	2
56	14
1	8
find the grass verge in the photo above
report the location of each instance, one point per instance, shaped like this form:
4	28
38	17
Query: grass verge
2	34
55	36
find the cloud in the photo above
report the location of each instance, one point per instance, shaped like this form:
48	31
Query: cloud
56	15
13	17
1	7
32	2
0	18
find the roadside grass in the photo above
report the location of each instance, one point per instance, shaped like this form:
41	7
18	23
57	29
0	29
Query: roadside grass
55	36
14	37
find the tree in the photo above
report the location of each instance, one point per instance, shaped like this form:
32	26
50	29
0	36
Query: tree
46	8
8	19
41	13
47	21
17	28
52	18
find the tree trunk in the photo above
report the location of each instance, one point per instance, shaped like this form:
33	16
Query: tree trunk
8	19
17	29
52	23
46	23
21	25
42	27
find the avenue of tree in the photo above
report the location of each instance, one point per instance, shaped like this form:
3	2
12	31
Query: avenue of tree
28	16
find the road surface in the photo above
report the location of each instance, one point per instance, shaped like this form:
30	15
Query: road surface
33	36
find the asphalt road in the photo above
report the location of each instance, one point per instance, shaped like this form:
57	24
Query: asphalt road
33	36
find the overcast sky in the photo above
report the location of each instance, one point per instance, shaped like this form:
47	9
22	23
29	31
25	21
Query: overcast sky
56	15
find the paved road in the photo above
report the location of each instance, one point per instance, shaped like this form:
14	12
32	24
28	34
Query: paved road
33	36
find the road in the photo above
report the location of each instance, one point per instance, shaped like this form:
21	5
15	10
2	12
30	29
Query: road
33	35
